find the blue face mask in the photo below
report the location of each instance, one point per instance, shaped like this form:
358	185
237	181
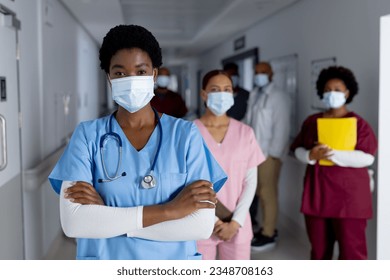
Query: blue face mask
261	80
133	92
163	81
334	99
220	102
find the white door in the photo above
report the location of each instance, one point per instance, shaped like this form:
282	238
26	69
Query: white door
383	190
11	220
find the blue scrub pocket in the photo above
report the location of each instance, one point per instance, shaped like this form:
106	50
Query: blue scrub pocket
171	184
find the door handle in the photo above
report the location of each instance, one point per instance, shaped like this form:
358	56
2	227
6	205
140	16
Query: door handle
3	141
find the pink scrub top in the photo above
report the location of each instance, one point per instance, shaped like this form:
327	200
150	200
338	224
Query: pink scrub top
335	191
238	152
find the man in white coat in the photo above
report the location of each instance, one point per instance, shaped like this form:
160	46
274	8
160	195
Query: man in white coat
269	112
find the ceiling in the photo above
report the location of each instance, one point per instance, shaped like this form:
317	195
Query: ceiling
182	27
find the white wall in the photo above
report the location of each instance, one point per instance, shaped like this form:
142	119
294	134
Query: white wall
384	138
29	82
193	94
71	88
57	58
90	84
315	29
70	69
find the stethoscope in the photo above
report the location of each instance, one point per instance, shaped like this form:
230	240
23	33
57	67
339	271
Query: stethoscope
148	181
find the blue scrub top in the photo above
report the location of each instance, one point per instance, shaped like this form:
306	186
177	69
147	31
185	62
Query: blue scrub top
183	159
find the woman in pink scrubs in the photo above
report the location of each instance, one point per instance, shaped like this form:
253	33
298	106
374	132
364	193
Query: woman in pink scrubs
336	199
234	146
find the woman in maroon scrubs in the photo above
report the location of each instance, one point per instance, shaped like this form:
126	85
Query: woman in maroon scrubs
336	199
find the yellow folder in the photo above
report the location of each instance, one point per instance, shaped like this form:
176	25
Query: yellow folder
338	134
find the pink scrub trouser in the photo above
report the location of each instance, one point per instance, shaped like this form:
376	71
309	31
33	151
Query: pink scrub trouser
349	233
226	250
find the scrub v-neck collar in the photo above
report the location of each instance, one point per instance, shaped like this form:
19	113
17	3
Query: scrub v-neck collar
152	137
209	135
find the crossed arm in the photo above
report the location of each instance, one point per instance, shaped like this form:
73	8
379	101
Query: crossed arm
189	216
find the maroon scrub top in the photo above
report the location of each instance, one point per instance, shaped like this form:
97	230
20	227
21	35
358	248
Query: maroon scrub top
335	191
170	103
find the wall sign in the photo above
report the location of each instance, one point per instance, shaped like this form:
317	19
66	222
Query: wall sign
239	43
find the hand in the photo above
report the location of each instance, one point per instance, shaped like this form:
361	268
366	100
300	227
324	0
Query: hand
195	196
83	193
226	231
320	151
217	225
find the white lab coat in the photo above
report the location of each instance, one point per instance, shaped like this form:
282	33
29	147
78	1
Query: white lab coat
269	114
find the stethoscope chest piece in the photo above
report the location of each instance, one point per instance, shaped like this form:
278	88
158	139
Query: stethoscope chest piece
149	181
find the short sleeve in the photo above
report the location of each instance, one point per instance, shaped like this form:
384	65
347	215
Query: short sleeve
256	156
201	165
75	163
366	141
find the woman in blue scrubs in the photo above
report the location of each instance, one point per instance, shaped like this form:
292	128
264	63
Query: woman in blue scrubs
136	184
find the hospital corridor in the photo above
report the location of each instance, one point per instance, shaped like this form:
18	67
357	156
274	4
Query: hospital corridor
107	94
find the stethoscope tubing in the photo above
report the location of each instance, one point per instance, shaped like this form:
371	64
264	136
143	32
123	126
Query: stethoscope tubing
119	140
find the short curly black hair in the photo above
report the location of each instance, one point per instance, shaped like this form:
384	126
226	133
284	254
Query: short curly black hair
128	37
341	73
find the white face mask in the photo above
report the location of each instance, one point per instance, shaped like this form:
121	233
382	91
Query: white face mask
163	81
220	102
261	80
235	80
334	99
133	92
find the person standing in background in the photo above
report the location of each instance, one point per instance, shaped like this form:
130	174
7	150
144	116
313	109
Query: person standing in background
234	146
336	199
240	95
166	101
269	115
